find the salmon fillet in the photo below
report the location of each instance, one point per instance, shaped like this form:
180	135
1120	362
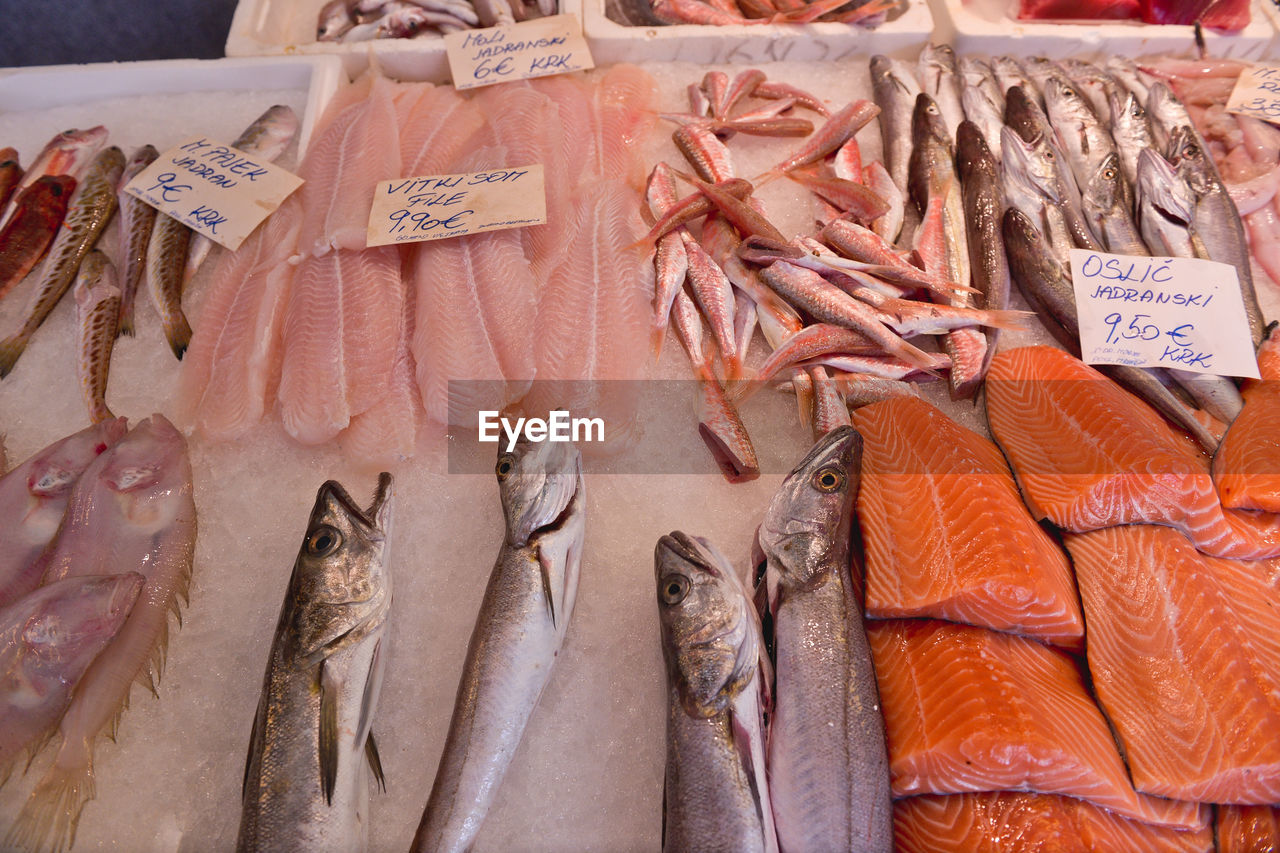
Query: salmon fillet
1185	655
1010	822
1247	829
1247	464
1089	455
946	533
968	709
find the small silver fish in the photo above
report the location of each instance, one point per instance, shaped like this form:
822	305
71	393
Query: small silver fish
305	785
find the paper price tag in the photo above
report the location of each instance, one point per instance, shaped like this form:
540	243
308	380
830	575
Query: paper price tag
1162	312
410	210
1257	93
536	48
219	191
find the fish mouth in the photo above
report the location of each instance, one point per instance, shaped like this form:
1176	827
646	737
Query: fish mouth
685	548
372	517
531	529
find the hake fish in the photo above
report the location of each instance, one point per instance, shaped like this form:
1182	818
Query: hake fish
715	796
521	626
305	785
828	765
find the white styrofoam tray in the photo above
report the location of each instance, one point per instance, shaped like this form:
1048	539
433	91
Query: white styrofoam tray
274	27
991	26
612	41
46	87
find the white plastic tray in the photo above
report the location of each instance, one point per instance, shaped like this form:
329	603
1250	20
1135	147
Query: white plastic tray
45	87
274	27
991	26
615	42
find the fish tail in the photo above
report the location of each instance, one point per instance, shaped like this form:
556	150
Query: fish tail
126	319
51	814
657	335
11	349
1001	319
178	332
772	175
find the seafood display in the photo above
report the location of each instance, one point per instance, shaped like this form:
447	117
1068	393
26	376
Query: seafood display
305	780
1230	16
352	21
864	13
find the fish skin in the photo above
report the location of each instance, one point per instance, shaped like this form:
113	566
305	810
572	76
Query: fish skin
29	232
131	510
304	787
708	156
895	88
1107	201
1094	83
1216	220
527	607
830	411
1081	135
67	153
10	174
713	651
828	769
47	640
982	194
876	177
33	498
838	129
136	221
859	202
1193	701
166	257
1130	129
940	80
97	295
88	212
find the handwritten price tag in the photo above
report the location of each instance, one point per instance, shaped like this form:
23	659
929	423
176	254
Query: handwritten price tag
1257	93
1162	312
537	48
410	210
214	189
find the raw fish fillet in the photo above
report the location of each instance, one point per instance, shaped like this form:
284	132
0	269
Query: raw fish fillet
1008	822
230	369
1074	10
1088	455
1246	467
436	128
568	165
1247	829
343	166
968	709
625	114
476	302
1229	15
340	328
1185	655
946	532
131	510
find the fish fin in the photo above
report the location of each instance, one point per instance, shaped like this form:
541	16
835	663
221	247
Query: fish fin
49	818
178	333
11	350
375	762
544	569
254	734
328	733
372	679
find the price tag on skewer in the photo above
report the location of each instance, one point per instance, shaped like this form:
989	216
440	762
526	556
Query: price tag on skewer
214	189
1257	94
537	48
434	207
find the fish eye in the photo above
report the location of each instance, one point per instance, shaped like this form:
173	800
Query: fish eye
829	479
506	462
1109	174
323	541
674	588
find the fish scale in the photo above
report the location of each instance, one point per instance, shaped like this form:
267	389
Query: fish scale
97	296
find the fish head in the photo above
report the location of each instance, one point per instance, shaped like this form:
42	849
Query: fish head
709	638
927	123
805	531
540	483
1029	165
340	589
54	470
1022	113
1106	191
1161	190
1065	100
86	141
62	627
1188	158
335	19
973	156
1126	109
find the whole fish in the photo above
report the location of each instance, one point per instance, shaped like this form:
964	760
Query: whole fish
1166	114
719	425
33	498
983	197
1217	222
526	610
715	297
88	213
47	641
894	88
828	766
1084	140
68	153
305	786
24	239
940	80
166	257
1009	73
97	296
1130	130
1165	209
335	20
1047	286
10	175
267	138
131	510
712	647
983	103
1107	203
837	130
136	220
1094	84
